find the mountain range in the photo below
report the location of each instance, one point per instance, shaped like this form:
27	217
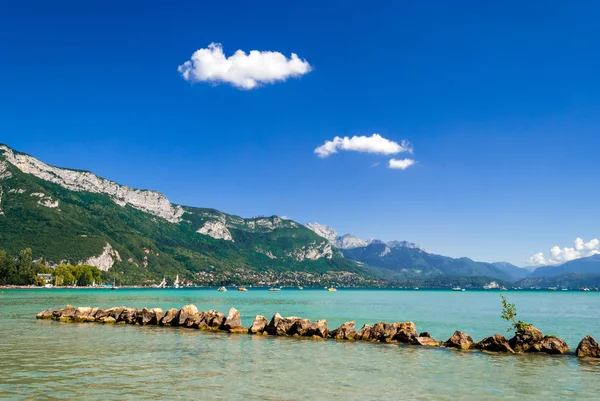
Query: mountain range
139	236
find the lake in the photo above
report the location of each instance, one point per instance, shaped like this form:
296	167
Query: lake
47	359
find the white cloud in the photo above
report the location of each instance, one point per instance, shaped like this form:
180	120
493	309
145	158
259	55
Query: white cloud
401	164
364	144
580	249
244	71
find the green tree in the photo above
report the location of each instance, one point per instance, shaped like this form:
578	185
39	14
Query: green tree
509	313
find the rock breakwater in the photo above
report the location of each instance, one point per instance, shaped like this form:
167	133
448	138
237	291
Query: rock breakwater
530	340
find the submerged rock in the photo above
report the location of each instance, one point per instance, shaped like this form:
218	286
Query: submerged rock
588	347
496	343
259	325
523	340
346	331
459	340
425	341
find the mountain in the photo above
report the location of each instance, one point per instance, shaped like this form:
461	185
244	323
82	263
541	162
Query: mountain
590	264
516	272
349	241
138	236
410	261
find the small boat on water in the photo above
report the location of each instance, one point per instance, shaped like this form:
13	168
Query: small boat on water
416	288
274	289
114	287
300	287
332	289
222	289
242	288
502	288
458	289
585	289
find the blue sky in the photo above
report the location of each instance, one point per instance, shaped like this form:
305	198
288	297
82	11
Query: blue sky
501	104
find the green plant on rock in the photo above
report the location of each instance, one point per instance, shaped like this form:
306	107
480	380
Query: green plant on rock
509	313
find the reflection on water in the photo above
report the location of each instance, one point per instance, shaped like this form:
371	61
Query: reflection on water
49	359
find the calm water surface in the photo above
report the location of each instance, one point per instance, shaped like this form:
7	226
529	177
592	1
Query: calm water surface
50	360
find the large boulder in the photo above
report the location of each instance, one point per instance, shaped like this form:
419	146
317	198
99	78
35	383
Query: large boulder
282	326
103	316
259	325
149	316
525	339
127	316
47	314
300	327
318	329
365	333
406	332
67	314
186	312
86	314
233	322
195	321
384	332
550	345
346	331
588	347
496	343
459	340
214	319
170	318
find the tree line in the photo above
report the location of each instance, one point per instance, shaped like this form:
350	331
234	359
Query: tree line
23	270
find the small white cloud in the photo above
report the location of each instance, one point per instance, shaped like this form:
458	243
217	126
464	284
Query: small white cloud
375	164
400	164
364	144
580	249
244	71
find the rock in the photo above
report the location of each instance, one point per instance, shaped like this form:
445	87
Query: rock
108	319
346	331
550	345
259	325
459	340
111	312
425	341
233	321
365	333
385	332
496	343
282	326
318	329
149	316
127	316
406	332
85	314
186	312
47	314
272	326
424	334
300	327
195	321
588	347
214	319
67	314
170	318
523	340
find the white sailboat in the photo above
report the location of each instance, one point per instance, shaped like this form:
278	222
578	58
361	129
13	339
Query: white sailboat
176	283
162	284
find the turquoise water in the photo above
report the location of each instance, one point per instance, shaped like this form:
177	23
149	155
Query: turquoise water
45	359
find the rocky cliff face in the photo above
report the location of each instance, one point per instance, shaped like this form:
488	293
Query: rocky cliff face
105	260
329	233
148	201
